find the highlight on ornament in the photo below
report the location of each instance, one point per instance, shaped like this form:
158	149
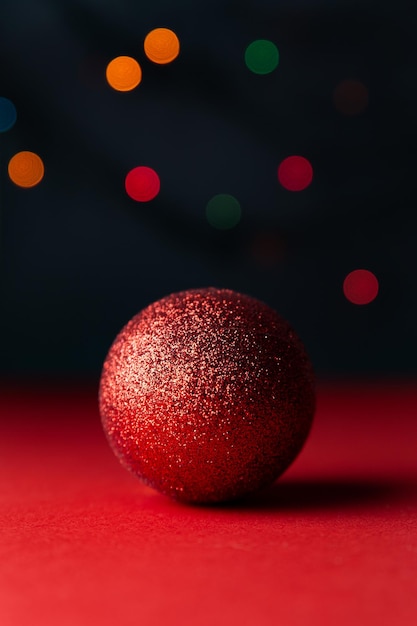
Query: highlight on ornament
123	73
207	395
26	169
161	46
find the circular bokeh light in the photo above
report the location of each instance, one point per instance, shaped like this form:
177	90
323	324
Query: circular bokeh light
26	169
223	211
7	114
142	184
361	287
350	97
261	56
123	73
295	173
161	46
267	249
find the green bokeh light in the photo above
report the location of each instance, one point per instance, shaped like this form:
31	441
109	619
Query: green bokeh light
261	56
223	211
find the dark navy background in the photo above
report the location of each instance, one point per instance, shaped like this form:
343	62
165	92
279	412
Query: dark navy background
79	258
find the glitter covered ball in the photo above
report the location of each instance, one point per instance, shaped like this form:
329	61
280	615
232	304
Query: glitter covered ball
207	395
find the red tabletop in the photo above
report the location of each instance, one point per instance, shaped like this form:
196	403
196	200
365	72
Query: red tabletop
333	542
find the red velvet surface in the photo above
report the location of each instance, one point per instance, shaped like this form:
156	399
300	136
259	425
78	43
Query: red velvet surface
334	541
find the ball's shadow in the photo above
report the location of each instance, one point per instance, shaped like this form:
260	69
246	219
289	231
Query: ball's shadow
305	495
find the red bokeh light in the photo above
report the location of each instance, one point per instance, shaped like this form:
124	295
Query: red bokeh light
142	184
350	97
295	173
361	287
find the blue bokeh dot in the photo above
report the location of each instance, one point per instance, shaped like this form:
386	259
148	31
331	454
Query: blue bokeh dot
7	114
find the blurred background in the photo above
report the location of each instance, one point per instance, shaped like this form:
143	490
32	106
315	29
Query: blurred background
79	257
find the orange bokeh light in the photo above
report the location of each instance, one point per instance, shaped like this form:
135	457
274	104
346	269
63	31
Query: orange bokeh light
26	169
161	45
123	73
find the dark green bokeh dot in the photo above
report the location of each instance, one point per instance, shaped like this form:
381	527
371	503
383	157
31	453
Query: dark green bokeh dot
223	211
262	56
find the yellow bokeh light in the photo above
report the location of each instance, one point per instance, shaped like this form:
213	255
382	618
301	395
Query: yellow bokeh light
123	73
162	45
26	169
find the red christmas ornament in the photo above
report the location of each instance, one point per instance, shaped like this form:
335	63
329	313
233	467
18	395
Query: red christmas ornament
207	395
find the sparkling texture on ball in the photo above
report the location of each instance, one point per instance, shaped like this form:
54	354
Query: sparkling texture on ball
207	395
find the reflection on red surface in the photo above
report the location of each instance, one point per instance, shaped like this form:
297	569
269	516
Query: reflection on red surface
333	542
